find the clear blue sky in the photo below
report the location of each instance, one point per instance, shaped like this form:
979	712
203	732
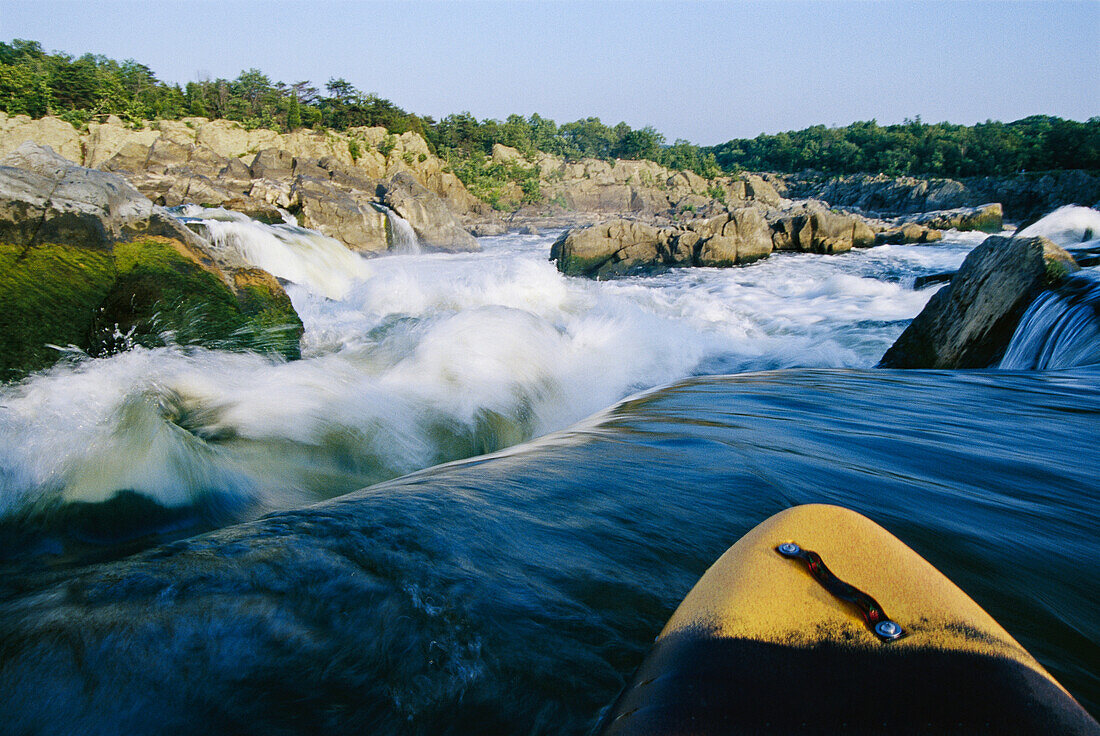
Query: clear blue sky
703	71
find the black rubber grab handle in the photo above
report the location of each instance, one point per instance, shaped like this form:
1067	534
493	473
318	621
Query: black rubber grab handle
873	614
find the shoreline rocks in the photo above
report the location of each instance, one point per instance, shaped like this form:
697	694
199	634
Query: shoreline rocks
734	237
1023	196
89	261
988	218
969	322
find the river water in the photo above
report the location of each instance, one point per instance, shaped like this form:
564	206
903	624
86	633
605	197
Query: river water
513	592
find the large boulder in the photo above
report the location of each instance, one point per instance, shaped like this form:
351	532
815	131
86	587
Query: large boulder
986	218
339	213
45	198
606	250
86	260
435	224
625	247
814	229
744	237
909	233
969	322
272	163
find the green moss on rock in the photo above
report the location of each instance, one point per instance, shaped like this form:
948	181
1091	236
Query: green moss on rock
48	296
147	292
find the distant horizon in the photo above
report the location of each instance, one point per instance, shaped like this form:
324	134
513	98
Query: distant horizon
704	72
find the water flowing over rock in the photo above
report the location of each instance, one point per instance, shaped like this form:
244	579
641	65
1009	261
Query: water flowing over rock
90	262
1060	330
969	322
434	224
401	234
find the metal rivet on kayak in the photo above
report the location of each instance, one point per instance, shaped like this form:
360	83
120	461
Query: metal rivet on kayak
788	549
888	630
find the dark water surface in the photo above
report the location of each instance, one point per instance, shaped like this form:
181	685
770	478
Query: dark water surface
515	593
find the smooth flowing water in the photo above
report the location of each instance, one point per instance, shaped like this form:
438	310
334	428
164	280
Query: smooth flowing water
513	592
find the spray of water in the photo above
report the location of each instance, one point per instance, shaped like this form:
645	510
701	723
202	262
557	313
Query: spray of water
1067	225
321	264
416	359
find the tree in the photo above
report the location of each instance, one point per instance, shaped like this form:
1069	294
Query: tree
293	114
342	90
639	144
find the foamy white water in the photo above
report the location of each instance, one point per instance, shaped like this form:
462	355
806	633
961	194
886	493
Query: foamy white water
411	360
1067	225
322	264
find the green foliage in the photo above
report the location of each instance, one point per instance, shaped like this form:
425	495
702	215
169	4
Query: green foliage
387	144
36	83
1056	271
353	149
715	191
1035	143
294	114
491	181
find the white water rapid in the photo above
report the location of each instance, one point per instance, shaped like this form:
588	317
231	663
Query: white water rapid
415	359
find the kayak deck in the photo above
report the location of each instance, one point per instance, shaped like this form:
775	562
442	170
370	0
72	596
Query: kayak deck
759	645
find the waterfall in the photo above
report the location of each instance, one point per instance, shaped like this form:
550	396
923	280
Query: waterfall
322	264
1061	328
402	236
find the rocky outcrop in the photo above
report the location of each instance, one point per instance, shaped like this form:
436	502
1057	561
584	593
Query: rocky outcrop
642	189
339	212
45	198
811	228
969	322
987	218
329	180
908	234
434	224
88	261
742	236
613	249
1023	196
736	236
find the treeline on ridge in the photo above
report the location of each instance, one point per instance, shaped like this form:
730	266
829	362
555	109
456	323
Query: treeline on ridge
80	89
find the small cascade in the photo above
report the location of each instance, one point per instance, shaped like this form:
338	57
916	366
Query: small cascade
402	236
322	264
1061	328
